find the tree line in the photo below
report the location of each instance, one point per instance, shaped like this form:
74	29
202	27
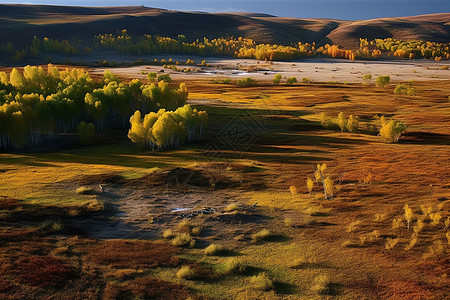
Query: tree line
37	103
126	44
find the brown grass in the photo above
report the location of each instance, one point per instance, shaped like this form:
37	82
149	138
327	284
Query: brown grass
42	270
146	288
407	289
133	254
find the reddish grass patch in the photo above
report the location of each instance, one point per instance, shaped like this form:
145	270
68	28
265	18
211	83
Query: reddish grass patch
437	268
146	288
42	270
134	254
407	289
8	203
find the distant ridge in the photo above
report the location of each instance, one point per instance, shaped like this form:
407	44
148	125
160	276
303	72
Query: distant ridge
19	23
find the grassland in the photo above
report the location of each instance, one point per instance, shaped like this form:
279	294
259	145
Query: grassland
260	141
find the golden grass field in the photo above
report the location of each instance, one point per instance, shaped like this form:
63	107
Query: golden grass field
261	145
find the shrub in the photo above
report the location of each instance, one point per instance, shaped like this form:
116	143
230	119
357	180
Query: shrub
262	282
324	120
232	207
382	81
404	89
165	78
276	79
353	123
151	76
185	272
391	131
185	225
214	249
234	266
183	239
366	79
320	284
342	121
168	234
221	81
306	80
261	235
291	80
245	82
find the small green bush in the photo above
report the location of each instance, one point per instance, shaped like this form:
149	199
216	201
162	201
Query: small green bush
366	79
405	89
152	76
291	80
382	81
276	79
245	82
306	80
221	81
165	78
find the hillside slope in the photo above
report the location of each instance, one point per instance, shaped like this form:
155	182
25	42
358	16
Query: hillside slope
19	23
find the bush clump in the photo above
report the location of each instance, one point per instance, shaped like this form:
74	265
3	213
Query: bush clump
405	89
183	239
245	82
391	131
234	266
186	272
382	81
276	79
291	80
214	249
262	282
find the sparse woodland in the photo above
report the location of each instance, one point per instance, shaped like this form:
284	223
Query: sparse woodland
36	104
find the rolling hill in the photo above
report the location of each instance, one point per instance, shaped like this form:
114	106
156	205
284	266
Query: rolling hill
19	23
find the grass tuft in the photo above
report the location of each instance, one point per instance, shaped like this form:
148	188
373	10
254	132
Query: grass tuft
186	272
261	235
262	282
